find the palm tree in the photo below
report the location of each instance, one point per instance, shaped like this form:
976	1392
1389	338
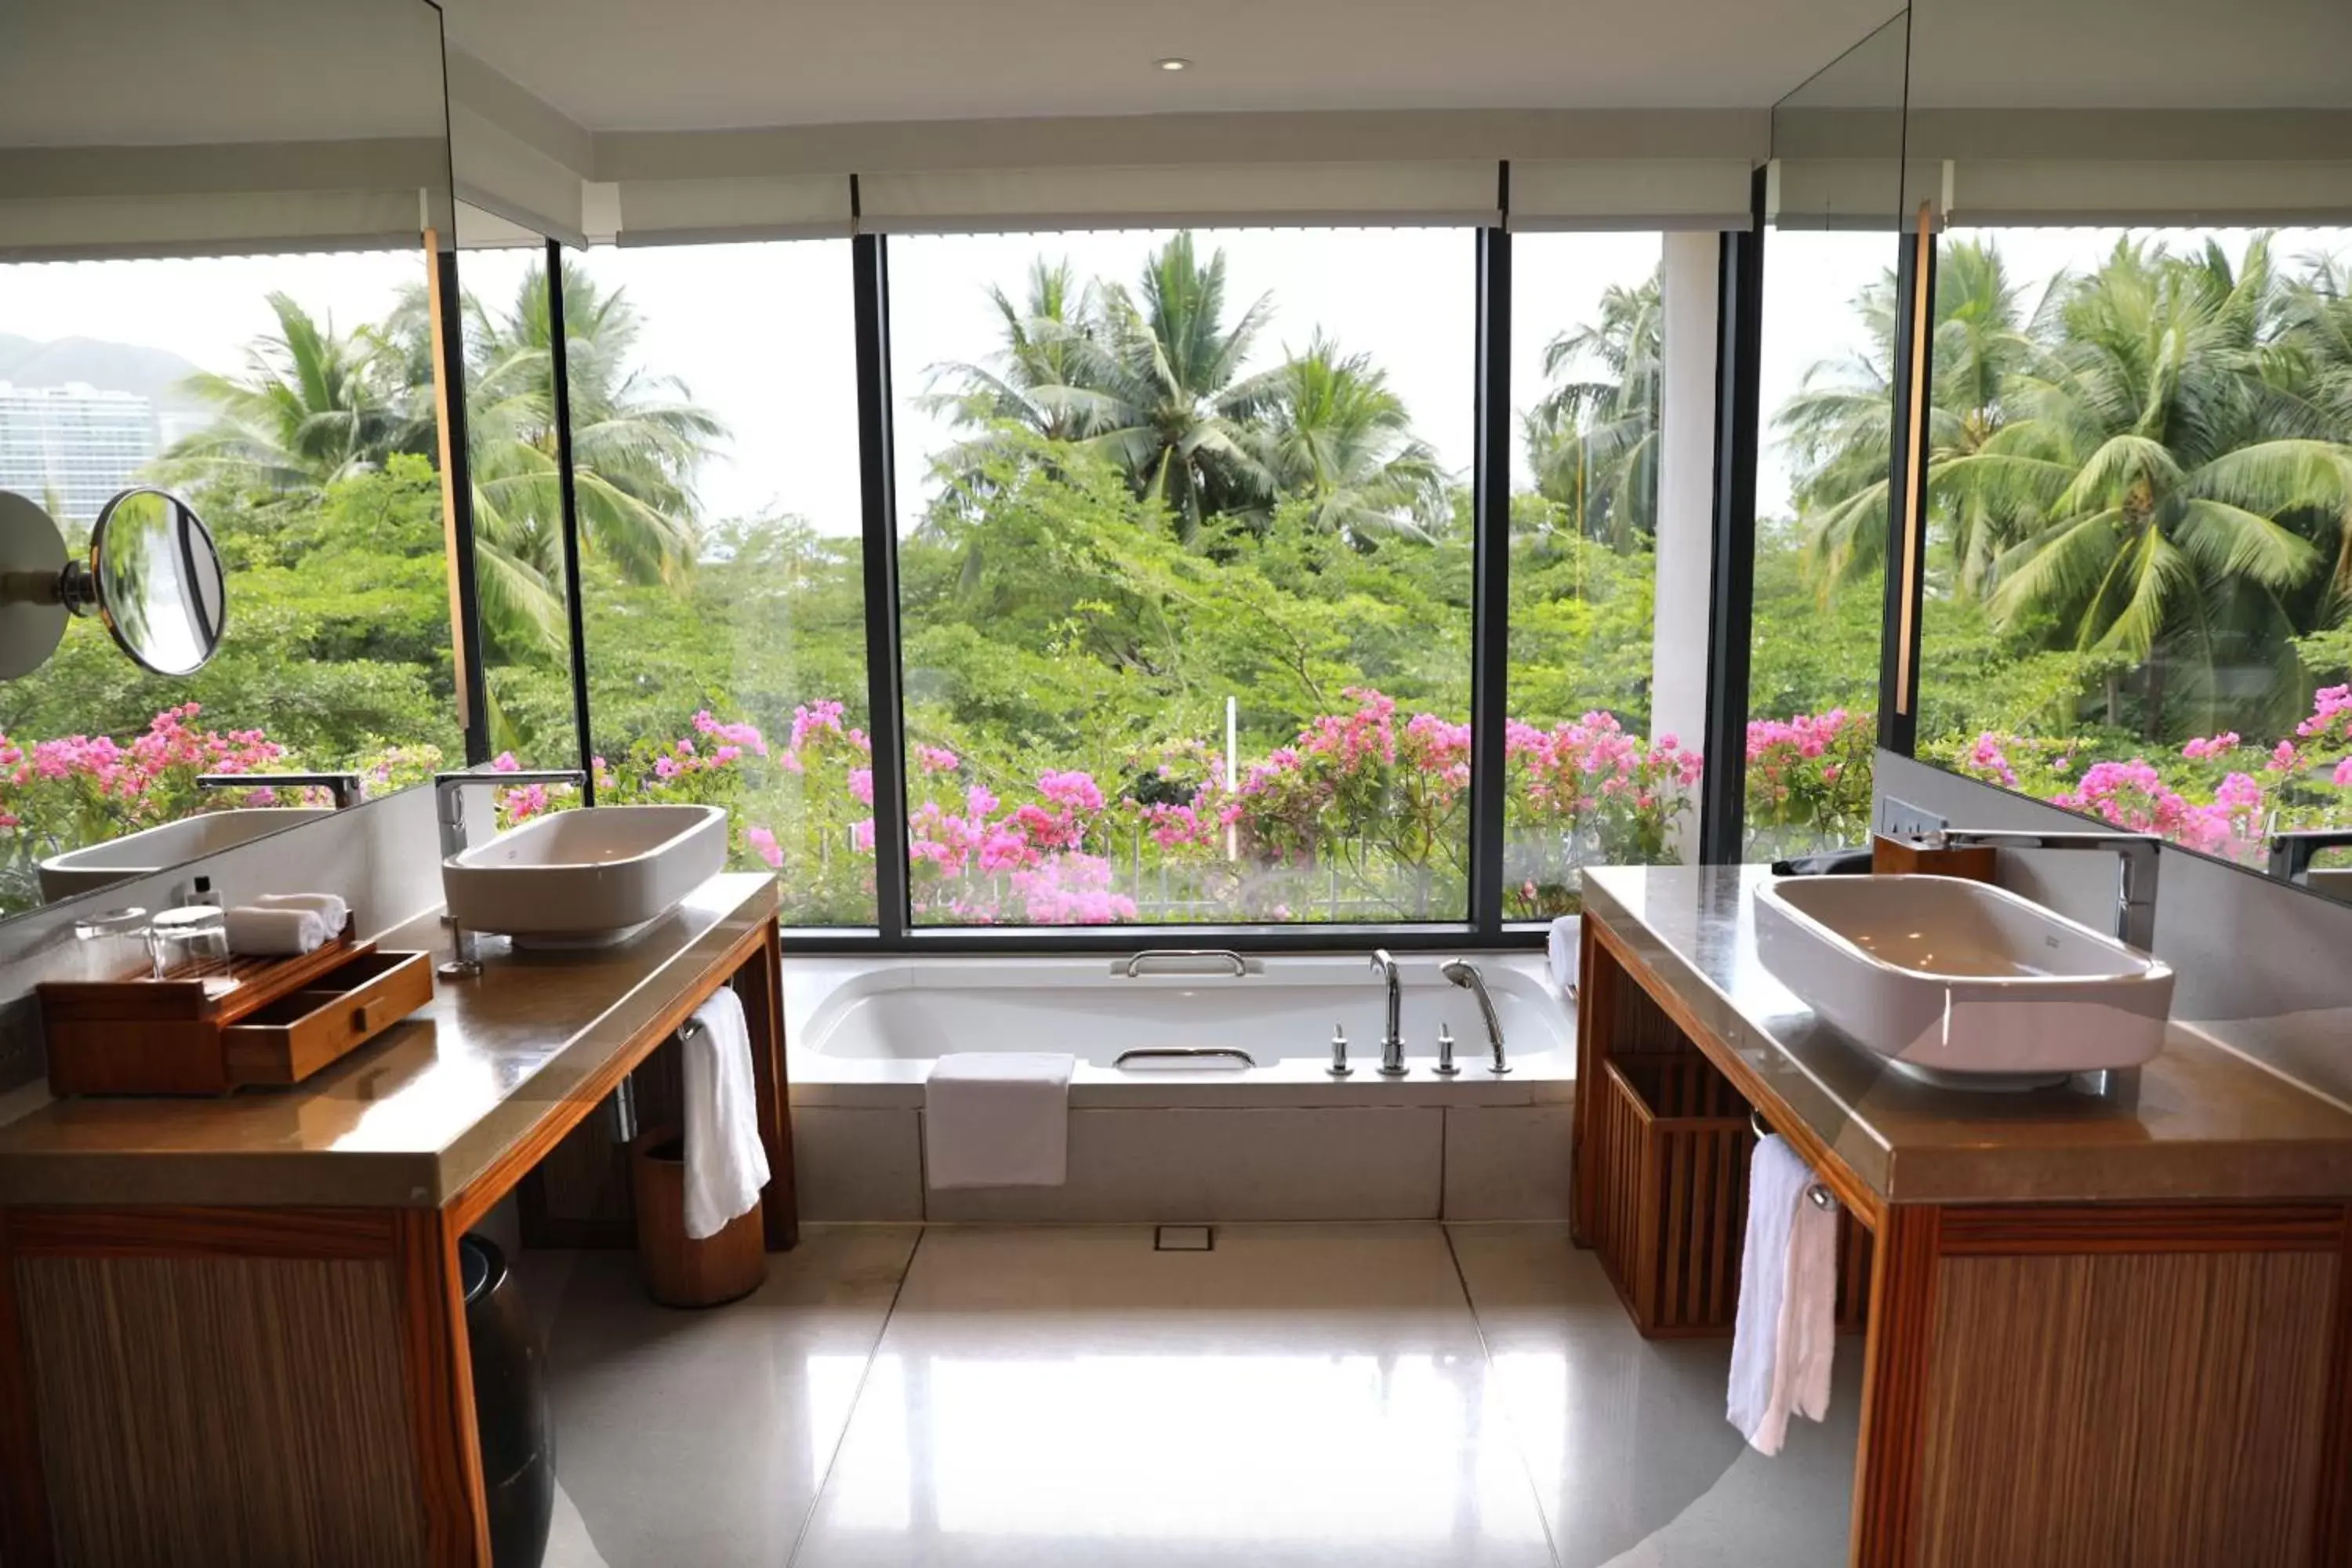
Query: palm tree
637	441
1838	427
1592	441
2144	462
1335	435
1040	374
314	407
1151	379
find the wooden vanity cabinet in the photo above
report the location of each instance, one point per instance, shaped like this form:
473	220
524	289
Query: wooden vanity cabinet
2147	1384
283	1382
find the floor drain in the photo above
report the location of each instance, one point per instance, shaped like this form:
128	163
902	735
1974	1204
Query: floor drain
1183	1238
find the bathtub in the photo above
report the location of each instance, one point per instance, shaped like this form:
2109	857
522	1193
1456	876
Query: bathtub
1204	1139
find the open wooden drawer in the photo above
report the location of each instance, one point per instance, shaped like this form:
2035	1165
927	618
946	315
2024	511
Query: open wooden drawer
334	1014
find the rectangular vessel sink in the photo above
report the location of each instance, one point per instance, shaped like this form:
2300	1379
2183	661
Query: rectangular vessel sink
159	848
1947	976
586	878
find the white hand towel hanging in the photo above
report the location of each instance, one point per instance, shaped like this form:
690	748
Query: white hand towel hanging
1782	1339
726	1164
998	1118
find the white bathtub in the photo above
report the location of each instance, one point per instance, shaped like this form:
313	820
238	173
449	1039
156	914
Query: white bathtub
1191	1139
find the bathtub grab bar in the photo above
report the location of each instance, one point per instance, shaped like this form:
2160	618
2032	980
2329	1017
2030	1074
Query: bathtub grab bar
1193	1052
1223	955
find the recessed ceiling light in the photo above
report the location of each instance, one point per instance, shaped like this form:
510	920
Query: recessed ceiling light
1173	63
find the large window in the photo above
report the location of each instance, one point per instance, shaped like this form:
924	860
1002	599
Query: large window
714	440
291	399
1826	384
1601	767
1185	562
2139	482
518	511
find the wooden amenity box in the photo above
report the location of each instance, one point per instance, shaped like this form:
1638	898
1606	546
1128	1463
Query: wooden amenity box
278	1021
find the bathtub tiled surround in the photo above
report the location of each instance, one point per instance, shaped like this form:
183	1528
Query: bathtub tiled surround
1469	1396
1284	1141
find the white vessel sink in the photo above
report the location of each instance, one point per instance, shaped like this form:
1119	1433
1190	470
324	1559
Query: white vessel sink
586	878
1946	976
161	848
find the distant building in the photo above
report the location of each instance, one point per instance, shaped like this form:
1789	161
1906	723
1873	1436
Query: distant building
74	443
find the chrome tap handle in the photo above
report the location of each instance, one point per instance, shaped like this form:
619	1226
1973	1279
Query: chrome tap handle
1340	1068
1445	1068
1393	1039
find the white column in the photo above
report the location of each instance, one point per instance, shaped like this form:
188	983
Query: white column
1685	499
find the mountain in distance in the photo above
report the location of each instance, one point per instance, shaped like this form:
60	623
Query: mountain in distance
153	374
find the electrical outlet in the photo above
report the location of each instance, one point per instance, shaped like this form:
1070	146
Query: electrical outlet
1901	819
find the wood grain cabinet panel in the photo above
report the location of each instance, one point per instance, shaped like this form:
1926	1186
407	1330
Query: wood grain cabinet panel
2165	1410
221	1409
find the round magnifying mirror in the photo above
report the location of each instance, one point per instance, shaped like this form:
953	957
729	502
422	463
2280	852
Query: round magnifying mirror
156	580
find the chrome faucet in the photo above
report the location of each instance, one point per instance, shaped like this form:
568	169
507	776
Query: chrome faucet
450	796
1393	1041
1464	973
343	789
449	810
2292	853
2136	868
2135	925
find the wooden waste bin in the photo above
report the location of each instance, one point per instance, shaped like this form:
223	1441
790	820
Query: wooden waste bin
680	1271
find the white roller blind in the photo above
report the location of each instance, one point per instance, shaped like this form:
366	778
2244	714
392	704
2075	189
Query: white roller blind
500	173
1434	193
1629	193
61	204
68	229
2172	192
781	206
1854	193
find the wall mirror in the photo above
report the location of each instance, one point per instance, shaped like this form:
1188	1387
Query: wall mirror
1825	378
2134	591
221	304
153	576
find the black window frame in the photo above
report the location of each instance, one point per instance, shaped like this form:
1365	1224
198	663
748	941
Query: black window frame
1721	798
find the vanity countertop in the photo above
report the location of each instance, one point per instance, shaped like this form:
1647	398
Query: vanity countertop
412	1116
2209	1123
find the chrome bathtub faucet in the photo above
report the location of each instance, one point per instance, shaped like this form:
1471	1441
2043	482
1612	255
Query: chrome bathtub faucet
1392	1042
1464	973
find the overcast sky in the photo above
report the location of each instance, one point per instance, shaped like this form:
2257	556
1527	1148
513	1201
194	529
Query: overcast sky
761	334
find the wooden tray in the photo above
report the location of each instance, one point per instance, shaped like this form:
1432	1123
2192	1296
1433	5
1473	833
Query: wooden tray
277	1021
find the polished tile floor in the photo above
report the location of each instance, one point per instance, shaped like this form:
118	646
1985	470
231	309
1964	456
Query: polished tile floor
1398	1395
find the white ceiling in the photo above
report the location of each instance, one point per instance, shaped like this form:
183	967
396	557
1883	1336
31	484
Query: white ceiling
136	72
636	64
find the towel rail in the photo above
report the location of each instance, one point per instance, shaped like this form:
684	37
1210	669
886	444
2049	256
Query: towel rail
1134	965
1822	1198
1143	1053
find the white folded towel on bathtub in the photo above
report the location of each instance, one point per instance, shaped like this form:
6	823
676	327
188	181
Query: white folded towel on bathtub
1563	950
998	1118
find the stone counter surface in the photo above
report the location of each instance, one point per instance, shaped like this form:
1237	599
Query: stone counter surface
411	1118
2209	1123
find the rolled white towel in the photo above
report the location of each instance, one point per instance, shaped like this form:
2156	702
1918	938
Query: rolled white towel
273	932
1562	949
330	908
